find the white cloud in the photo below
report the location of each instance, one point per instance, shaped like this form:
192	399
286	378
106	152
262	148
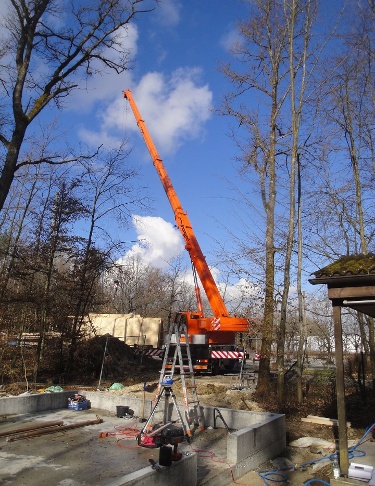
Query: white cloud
158	241
230	39
168	13
6	8
174	109
240	290
240	294
237	295
106	85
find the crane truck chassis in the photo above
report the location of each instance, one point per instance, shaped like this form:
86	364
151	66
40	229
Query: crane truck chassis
212	340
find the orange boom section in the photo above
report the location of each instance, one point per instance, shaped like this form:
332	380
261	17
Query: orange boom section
196	322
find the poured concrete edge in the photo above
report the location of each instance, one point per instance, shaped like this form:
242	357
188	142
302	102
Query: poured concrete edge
182	472
249	447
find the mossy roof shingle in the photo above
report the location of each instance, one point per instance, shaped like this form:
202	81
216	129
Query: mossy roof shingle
349	265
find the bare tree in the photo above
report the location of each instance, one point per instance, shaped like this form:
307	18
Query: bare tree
351	110
65	209
91	37
299	16
105	193
301	297
14	228
264	52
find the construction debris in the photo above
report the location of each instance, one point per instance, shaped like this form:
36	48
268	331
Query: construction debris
313	442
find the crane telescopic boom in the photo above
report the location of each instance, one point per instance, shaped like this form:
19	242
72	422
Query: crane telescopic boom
222	320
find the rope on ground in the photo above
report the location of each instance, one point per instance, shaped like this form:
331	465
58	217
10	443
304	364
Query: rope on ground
123	432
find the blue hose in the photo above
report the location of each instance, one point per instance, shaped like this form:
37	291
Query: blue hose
277	477
364	435
310	481
352	452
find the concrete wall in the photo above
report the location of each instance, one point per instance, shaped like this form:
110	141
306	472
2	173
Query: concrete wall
109	401
35	403
251	446
258	437
235	419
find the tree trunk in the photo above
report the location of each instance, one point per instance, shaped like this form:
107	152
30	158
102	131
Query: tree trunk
268	321
10	163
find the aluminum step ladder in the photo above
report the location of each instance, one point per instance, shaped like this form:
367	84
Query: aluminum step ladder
154	431
178	339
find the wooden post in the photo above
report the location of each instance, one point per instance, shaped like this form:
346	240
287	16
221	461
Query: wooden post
340	391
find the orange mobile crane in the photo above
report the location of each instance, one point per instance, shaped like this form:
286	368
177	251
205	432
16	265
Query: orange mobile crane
211	339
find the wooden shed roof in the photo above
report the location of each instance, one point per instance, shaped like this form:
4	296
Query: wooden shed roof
351	282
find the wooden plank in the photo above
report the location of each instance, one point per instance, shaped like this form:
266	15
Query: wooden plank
322	421
351	292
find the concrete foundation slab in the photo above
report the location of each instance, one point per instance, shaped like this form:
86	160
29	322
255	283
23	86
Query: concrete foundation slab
79	456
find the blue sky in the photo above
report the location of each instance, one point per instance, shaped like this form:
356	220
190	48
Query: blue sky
176	84
176	51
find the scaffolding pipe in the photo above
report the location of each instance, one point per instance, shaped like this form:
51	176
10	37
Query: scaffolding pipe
50	430
34	427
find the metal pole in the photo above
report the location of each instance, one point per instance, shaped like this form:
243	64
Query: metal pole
45	425
340	391
105	352
51	430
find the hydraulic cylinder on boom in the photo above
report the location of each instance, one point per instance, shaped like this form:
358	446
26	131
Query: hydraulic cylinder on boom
221	327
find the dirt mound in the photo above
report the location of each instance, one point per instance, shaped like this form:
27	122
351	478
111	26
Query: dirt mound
111	359
103	358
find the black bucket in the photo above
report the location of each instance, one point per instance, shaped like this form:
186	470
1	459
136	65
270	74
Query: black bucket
121	411
165	456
